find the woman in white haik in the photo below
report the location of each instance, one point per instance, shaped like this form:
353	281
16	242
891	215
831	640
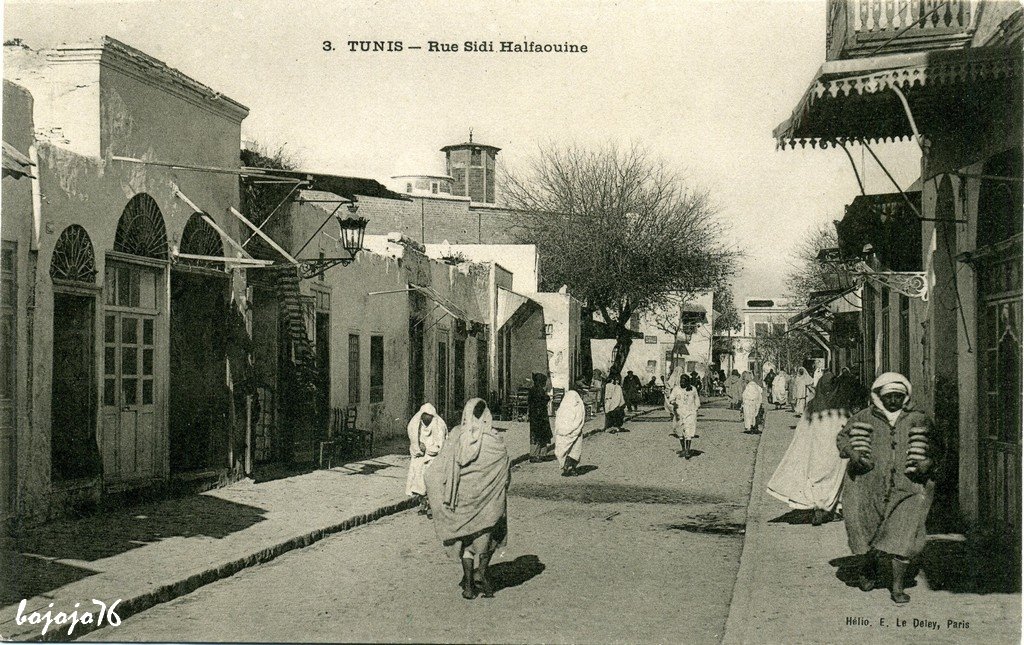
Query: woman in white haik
427	433
569	420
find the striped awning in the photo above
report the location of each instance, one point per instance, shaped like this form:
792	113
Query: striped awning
851	100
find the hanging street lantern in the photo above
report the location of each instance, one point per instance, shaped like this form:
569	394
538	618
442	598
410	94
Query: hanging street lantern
352	230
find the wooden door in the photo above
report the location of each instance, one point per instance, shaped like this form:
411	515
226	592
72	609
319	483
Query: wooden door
459	373
73	450
131	384
443	407
999	376
8	381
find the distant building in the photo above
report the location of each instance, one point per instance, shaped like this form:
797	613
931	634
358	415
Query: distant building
472	167
422	185
459	206
760	317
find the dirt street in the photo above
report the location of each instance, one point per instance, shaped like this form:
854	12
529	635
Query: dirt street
642	547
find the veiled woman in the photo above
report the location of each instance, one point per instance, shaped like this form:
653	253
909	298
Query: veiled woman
672	382
780	389
810	475
468	485
427	432
569	420
734	389
803	390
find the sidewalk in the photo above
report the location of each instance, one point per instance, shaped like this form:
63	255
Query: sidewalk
790	587
155	552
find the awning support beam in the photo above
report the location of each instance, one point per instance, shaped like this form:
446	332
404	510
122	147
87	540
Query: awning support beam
209	220
266	238
282	202
910	115
317	232
853	165
891	178
217	258
242	172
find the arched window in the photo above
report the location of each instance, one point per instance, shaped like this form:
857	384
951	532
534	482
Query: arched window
73	257
199	238
1001	198
140	231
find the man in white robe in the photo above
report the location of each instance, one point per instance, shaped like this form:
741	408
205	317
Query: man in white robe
427	432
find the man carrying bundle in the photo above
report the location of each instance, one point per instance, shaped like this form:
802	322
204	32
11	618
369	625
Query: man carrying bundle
890	481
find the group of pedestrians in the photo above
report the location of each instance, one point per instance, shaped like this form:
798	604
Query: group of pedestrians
461	477
875	457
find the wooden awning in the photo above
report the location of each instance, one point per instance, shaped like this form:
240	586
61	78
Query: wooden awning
851	100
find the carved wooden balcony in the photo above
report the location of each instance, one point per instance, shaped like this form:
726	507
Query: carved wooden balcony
863	28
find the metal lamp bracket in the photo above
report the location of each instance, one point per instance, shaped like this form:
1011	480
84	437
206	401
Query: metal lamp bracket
314	267
913	284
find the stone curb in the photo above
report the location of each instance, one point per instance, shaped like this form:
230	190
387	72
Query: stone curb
166	593
742	591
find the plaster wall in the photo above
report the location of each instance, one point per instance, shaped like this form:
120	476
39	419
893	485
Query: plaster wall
16	226
80	109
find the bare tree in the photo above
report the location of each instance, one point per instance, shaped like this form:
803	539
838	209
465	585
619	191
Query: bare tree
807	273
727	318
623	230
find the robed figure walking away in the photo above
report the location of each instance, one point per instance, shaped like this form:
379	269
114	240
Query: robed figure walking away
894	452
734	389
569	420
540	427
468	486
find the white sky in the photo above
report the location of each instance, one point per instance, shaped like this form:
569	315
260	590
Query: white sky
701	84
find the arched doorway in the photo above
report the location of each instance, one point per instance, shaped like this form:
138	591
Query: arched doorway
134	346
998	269
74	452
198	403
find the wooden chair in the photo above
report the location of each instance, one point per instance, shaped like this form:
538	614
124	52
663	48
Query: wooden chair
521	404
590	403
330	445
358	442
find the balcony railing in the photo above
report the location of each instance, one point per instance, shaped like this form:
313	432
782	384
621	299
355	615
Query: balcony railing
860	28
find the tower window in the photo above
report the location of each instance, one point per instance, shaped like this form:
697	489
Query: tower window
475	157
433	187
408	187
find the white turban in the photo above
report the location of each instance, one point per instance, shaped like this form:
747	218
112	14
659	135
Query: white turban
886	383
891	382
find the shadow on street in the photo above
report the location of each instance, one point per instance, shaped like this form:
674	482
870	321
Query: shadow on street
513	573
26	566
947	565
